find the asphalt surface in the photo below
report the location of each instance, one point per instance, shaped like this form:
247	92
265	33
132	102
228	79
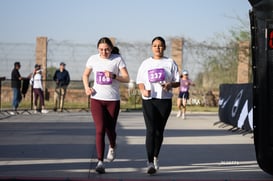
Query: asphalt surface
62	146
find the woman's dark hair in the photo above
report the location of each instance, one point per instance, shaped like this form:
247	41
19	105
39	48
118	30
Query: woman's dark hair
115	50
106	41
160	39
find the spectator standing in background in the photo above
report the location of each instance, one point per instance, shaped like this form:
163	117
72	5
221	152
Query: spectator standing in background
62	79
36	82
16	86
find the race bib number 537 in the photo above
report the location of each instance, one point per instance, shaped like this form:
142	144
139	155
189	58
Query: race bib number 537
156	75
102	79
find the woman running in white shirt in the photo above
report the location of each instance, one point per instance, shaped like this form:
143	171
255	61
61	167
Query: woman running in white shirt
156	77
109	70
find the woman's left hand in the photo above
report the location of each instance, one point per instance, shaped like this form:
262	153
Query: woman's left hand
108	74
166	86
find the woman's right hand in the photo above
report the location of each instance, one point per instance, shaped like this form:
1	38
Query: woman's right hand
146	93
89	91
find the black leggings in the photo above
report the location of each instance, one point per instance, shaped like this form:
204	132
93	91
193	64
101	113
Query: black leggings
156	113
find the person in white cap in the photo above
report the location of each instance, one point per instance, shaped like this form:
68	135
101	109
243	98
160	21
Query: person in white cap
36	82
183	96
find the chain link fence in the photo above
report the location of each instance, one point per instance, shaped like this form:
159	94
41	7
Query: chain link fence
75	55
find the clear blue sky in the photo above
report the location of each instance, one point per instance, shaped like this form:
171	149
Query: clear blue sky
85	21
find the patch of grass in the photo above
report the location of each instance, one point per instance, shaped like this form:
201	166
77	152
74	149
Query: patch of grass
202	109
124	106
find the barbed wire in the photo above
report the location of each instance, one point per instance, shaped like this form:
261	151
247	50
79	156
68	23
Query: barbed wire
195	55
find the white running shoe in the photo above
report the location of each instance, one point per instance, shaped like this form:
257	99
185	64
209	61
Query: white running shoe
100	167
111	154
179	113
183	116
44	111
151	168
156	164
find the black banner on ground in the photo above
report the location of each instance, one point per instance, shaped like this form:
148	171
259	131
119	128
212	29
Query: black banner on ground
236	105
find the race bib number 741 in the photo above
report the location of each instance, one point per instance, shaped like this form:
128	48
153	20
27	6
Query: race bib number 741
156	75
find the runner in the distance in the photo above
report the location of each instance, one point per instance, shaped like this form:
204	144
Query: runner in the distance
183	96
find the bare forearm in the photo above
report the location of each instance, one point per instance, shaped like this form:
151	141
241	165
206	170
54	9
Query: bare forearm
85	81
175	84
124	79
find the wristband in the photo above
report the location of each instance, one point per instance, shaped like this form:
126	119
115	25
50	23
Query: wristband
114	76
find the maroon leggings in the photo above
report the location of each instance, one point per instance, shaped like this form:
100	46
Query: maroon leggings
105	115
38	93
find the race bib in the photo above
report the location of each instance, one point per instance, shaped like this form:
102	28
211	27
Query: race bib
102	79
184	89
156	75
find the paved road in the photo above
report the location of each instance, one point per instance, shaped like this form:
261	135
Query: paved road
62	145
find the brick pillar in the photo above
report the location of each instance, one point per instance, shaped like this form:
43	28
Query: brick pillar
177	56
243	62
177	52
41	55
113	40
